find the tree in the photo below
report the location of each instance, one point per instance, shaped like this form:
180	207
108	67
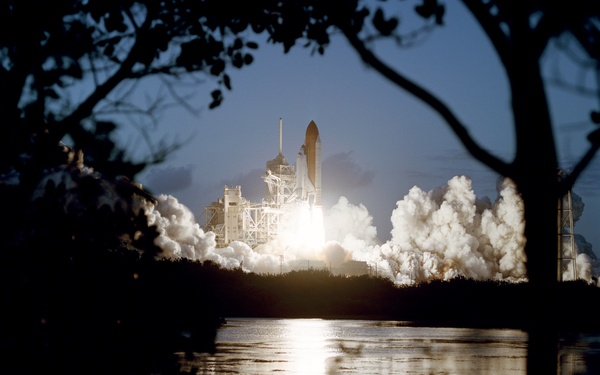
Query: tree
520	32
67	65
67	69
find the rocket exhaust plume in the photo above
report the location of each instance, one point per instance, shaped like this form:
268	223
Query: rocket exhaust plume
441	234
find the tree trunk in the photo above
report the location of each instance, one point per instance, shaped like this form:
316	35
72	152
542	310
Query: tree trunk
535	173
535	165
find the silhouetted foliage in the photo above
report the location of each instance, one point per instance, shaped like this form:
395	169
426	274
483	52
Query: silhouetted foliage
68	69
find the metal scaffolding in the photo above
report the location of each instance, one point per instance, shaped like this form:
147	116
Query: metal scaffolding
260	224
234	218
567	252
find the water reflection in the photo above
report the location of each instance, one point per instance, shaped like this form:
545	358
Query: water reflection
314	346
307	345
579	354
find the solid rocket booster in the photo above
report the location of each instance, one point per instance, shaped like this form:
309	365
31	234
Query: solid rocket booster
308	165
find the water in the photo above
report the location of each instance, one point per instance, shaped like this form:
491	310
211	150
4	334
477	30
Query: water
315	346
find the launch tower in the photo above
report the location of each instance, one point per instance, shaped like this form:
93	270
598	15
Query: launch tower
567	251
279	176
233	218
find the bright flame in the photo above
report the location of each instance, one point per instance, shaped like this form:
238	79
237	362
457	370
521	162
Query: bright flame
317	230
310	232
303	226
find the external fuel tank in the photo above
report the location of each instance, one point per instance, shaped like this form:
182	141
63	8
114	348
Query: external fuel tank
308	165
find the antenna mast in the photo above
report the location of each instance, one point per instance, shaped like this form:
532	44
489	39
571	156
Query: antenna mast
280	136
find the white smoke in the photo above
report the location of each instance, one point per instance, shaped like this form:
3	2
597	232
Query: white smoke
441	234
240	255
448	233
350	225
179	234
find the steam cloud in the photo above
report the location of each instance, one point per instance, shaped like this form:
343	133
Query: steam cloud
441	234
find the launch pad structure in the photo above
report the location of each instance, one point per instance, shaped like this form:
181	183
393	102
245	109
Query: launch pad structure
234	218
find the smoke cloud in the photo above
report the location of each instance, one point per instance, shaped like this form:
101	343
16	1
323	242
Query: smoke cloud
179	234
448	233
442	234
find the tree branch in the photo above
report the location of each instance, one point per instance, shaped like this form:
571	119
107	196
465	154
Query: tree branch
437	105
544	30
84	110
491	26
182	101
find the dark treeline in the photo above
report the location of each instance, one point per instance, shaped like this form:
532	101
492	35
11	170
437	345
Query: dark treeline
119	312
459	302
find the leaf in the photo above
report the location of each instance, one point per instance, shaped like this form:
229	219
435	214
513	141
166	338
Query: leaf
215	94
258	28
161	37
238	61
385	27
427	9
217	68
191	53
115	22
227	81
74	70
105	127
594	137
595	117
51	93
237	43
217	97
439	14
252	45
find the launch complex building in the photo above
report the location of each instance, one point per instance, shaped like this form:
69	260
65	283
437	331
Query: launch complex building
234	218
290	190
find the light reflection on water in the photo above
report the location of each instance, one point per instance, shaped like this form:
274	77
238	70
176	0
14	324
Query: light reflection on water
315	346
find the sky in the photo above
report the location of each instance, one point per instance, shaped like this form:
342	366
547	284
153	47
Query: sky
377	141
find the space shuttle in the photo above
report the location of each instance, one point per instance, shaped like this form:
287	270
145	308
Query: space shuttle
308	167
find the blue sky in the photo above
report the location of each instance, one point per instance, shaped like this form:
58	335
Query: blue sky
377	141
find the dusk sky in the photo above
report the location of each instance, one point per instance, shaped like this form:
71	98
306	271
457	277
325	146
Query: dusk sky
377	141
